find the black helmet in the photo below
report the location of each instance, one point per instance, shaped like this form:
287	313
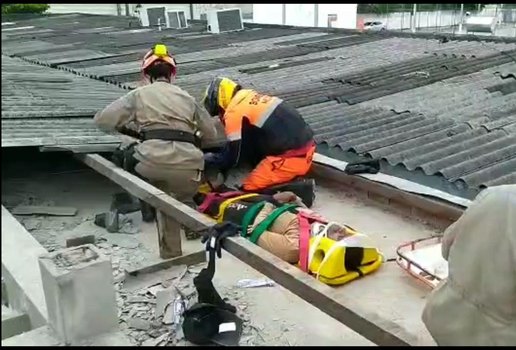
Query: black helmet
205	324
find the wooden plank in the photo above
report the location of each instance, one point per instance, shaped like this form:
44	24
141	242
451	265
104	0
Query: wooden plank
190	259
172	242
77	241
365	322
44	210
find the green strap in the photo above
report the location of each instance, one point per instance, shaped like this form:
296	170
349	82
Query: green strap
265	224
250	215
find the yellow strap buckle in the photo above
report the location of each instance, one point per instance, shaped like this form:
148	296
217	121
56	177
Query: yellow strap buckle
227	202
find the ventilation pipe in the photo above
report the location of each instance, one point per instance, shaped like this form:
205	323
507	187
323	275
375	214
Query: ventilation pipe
413	19
316	15
461	18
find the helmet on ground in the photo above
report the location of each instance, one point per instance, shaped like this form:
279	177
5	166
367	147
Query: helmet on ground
158	54
208	324
219	94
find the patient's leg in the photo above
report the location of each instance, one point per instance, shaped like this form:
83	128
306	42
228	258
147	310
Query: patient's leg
282	238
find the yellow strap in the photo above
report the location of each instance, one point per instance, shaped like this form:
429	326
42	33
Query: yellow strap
224	205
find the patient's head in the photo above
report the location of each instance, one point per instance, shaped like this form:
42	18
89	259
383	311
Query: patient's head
337	232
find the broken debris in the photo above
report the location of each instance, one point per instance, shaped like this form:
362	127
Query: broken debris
139	323
250	283
168	317
163	299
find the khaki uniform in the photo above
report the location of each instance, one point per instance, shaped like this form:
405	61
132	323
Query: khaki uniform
282	238
174	167
476	304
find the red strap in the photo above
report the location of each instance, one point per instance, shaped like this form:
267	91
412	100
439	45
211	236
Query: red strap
305	216
312	215
304	239
213	196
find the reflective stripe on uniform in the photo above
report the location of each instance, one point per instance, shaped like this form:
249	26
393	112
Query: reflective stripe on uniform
257	108
234	136
267	113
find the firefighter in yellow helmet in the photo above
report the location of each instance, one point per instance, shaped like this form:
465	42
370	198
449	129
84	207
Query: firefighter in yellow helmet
263	131
168	125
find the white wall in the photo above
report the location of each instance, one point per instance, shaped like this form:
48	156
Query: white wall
111	9
268	13
346	15
304	14
427	19
300	15
95	9
247	9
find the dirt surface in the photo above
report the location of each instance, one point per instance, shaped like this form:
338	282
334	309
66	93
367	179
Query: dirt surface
274	315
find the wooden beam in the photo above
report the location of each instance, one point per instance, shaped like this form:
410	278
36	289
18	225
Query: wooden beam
365	322
189	259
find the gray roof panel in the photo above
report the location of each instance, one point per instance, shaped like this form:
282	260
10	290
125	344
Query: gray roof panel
446	109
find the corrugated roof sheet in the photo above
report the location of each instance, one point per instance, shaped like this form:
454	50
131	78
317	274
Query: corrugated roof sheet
445	109
42	106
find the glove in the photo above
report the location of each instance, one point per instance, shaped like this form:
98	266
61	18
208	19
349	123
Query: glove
211	158
215	237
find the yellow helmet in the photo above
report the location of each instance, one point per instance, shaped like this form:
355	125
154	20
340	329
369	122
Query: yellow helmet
219	94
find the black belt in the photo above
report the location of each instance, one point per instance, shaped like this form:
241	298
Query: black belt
169	135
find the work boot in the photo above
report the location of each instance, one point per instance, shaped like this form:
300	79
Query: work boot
148	212
301	187
124	203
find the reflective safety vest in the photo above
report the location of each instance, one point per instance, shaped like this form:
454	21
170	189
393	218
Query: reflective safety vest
256	107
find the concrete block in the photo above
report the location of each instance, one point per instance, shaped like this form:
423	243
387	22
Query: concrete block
79	291
45	336
42	336
21	271
14	323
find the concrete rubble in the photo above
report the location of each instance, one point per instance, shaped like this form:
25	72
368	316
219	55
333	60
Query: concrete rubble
146	314
145	303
